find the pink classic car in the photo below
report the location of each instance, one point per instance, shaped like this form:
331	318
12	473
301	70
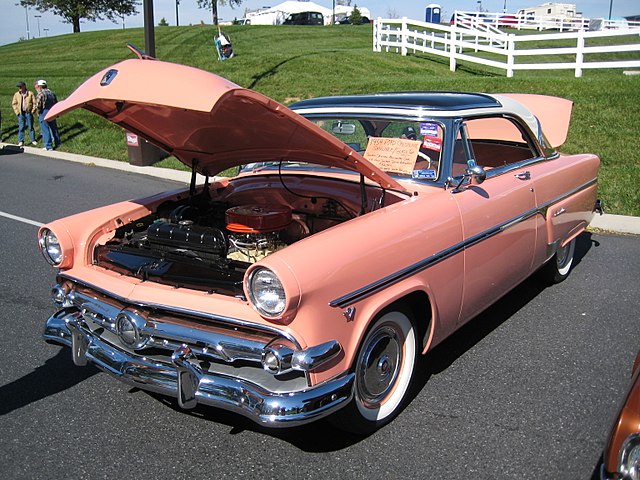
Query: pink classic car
359	232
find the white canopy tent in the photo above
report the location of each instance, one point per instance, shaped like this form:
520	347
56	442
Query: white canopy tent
277	14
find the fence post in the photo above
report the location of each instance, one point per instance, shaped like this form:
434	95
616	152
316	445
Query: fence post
452	48
511	46
376	39
403	48
579	53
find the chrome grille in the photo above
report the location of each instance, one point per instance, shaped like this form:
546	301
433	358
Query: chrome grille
233	350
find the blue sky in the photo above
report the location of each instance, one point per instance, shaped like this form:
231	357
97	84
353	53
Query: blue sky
13	18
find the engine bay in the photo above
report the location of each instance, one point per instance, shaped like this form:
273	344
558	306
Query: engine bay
207	240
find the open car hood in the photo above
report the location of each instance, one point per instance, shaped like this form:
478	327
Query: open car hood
200	117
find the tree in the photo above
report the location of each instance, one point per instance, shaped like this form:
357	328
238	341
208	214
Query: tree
163	22
356	17
72	11
213	5
392	13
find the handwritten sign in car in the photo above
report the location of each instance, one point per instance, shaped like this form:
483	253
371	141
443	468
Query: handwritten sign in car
396	155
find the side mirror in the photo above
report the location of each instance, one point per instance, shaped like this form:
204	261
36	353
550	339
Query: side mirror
473	175
475	172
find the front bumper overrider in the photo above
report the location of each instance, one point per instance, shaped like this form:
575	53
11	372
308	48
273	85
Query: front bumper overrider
184	379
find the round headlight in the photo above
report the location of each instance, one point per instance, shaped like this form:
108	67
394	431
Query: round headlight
50	247
630	457
266	292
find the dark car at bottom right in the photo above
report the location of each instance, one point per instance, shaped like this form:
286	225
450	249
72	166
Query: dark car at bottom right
621	456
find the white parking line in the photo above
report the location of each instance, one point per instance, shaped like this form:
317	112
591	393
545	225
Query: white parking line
20	219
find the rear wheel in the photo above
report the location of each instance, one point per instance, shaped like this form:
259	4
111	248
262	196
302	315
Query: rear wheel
559	266
383	371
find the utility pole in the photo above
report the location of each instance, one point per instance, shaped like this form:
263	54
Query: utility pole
177	21
149	32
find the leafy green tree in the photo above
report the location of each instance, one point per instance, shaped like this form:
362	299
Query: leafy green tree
356	17
213	5
72	11
163	22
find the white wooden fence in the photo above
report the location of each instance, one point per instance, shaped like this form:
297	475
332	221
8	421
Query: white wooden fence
480	20
507	50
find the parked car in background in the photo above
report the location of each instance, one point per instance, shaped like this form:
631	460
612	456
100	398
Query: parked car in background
360	232
621	457
508	21
305	18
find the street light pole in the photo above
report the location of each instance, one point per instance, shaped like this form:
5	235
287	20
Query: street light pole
26	15
46	30
610	8
177	20
38	17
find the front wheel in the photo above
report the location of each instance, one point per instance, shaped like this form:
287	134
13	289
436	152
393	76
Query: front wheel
558	267
383	371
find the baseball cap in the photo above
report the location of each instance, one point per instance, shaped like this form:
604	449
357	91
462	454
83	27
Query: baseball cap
42	83
21	84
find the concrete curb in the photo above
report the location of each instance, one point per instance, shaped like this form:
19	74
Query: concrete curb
607	222
616	223
164	173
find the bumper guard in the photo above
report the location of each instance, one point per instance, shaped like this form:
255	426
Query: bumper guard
185	380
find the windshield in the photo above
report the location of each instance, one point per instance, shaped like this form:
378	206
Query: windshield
400	147
403	148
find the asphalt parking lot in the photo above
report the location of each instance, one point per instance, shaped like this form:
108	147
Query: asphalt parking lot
526	390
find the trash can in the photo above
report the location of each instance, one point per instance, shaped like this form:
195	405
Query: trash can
433	13
141	152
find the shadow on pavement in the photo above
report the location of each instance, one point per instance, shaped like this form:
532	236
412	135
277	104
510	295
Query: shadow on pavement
56	375
11	150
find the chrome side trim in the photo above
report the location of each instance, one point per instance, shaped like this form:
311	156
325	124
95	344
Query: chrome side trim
375	287
545	206
182	379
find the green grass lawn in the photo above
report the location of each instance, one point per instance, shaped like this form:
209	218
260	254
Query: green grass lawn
289	63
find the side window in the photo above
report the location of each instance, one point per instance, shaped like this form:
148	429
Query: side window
430	135
493	142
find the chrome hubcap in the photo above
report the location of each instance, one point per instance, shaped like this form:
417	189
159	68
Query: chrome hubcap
379	365
565	255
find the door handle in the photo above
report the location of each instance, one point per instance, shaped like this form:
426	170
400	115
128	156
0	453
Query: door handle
523	176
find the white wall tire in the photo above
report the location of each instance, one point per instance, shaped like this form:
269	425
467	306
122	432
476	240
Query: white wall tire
383	371
559	266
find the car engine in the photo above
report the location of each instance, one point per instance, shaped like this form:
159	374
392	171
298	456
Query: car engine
208	245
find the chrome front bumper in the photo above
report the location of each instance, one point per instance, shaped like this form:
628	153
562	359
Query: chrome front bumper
185	380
